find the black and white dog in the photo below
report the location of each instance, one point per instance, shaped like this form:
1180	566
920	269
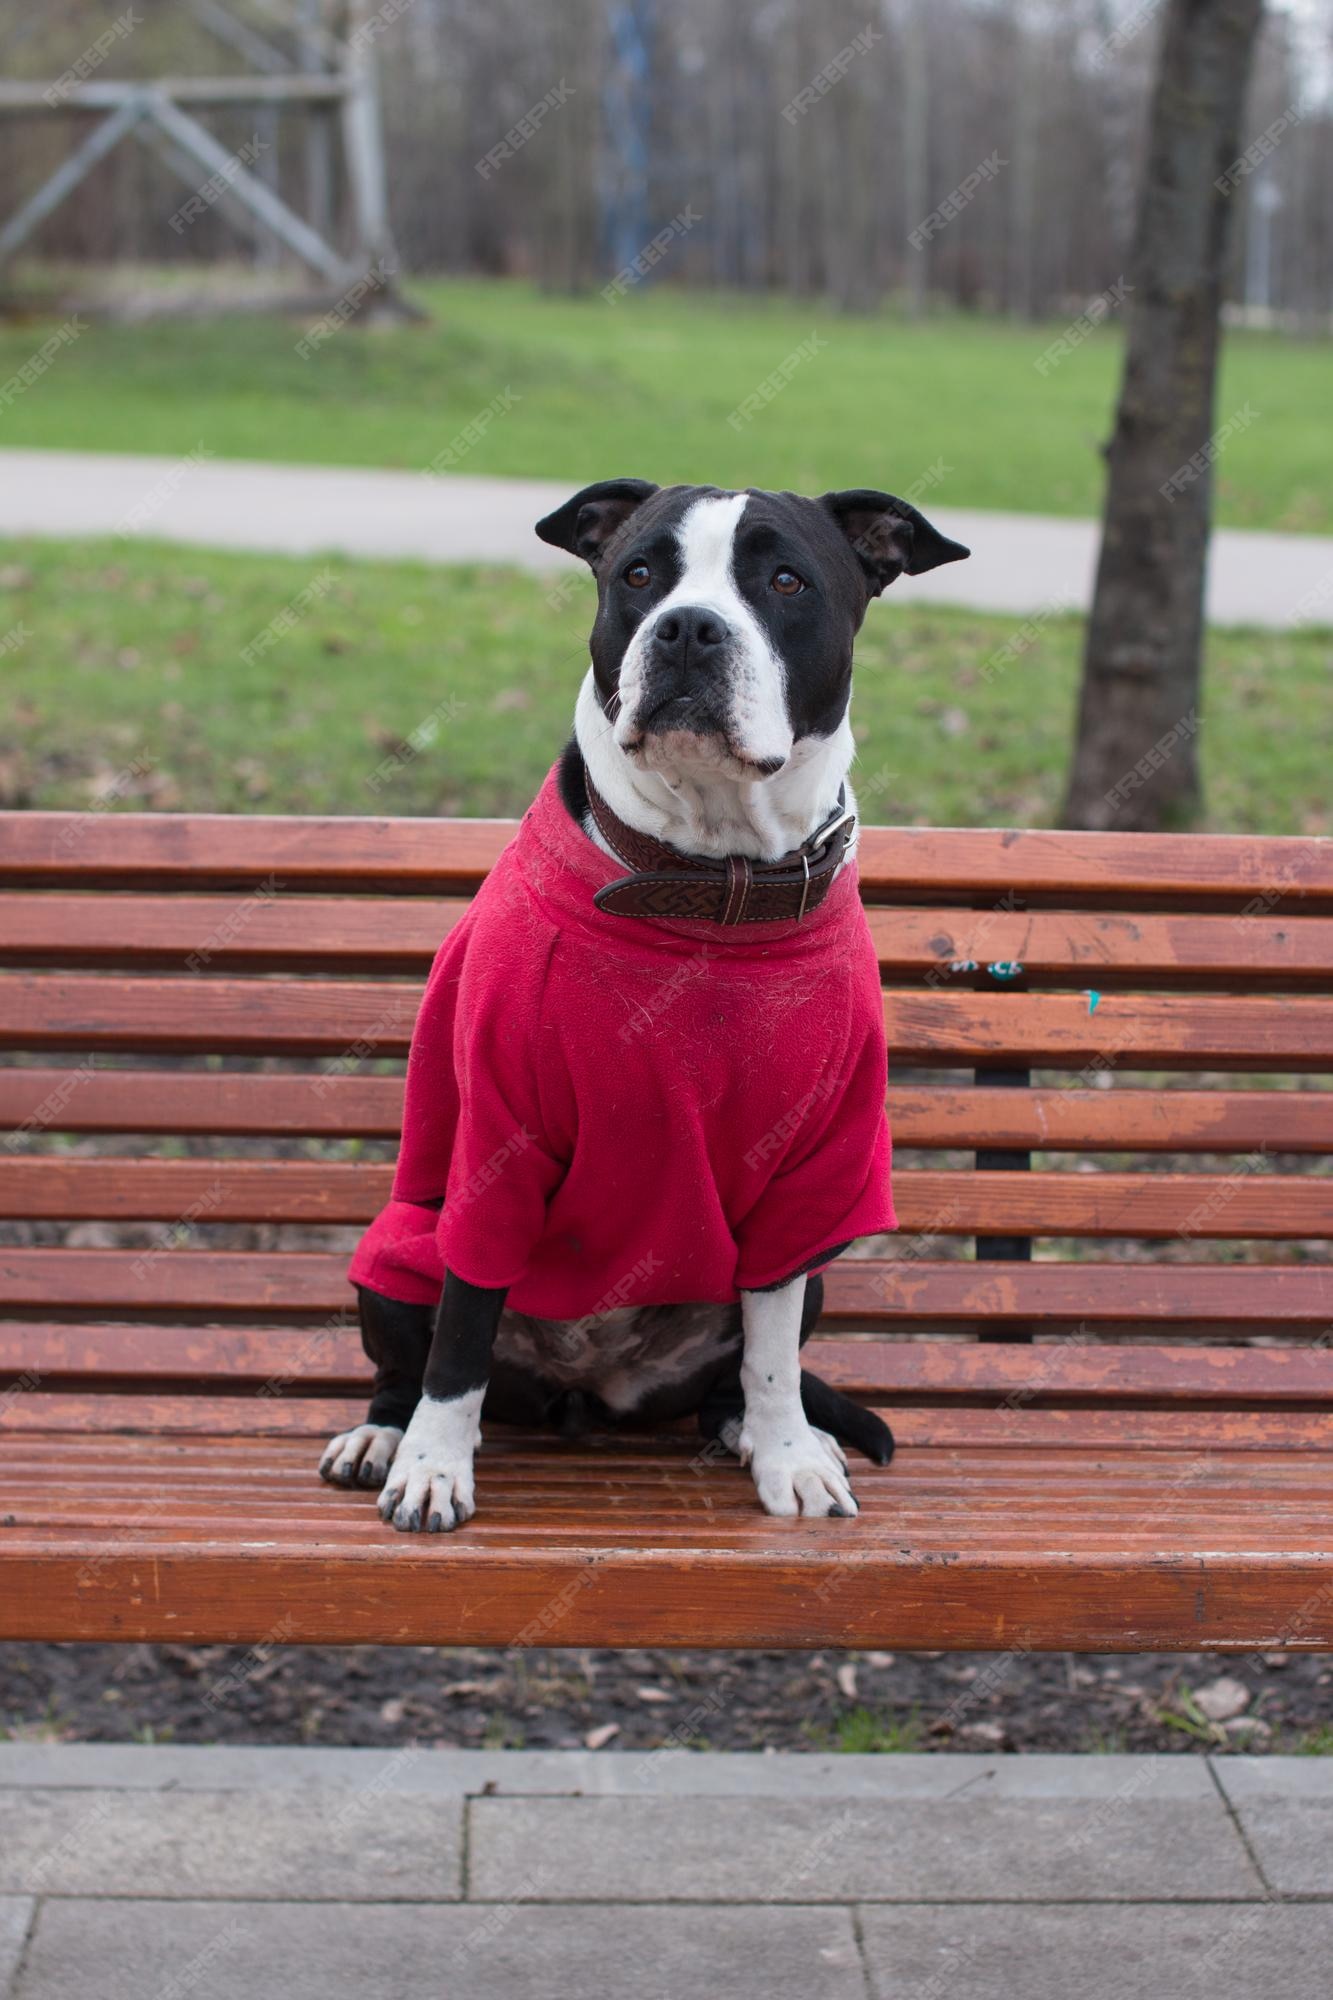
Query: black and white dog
713	724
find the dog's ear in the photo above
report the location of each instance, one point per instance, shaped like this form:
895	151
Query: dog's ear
889	536
585	524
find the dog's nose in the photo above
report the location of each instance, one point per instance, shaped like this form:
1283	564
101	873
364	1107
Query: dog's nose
689	631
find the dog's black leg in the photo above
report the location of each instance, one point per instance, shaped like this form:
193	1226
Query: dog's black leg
849	1422
723	1407
396	1337
430	1485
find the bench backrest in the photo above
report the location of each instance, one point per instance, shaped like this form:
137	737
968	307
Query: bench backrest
187	1002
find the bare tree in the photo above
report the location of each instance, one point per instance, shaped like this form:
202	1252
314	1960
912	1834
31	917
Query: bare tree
1135	759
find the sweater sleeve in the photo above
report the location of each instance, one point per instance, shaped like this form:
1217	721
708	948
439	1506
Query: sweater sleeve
831	1181
505	1164
475	1169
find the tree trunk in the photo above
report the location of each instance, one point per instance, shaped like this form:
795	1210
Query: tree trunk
1135	761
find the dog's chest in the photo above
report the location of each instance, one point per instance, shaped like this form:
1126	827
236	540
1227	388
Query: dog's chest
622	1356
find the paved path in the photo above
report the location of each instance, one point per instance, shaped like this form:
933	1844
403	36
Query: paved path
1021	562
131	1874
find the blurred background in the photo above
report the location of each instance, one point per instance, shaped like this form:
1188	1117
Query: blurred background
878	242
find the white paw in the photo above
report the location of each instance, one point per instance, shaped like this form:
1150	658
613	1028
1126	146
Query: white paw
430	1494
798	1470
430	1485
361	1457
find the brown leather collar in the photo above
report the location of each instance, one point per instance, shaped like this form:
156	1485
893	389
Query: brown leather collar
668	884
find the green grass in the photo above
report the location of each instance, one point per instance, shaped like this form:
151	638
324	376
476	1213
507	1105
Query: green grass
862	1732
1316	1742
646	387
125	682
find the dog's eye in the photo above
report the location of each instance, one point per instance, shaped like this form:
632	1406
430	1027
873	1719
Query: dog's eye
787	583
637	575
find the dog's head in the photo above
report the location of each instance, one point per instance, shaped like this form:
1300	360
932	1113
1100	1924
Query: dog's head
725	621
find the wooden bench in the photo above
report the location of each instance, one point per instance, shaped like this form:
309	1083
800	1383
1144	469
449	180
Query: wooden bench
1101	1445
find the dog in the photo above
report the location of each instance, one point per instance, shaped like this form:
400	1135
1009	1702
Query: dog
645	1100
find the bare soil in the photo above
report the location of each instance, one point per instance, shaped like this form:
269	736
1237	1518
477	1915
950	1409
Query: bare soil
640	1700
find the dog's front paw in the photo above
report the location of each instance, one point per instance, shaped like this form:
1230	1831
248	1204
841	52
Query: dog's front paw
361	1457
430	1485
425	1493
798	1470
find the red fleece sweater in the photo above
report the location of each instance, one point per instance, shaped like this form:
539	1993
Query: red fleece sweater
608	1110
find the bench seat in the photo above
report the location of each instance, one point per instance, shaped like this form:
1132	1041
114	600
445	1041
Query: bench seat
1114	1409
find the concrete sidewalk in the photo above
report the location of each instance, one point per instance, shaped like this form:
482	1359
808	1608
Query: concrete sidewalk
134	1874
1022	563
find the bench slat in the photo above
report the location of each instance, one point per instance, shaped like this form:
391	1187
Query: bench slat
942	1426
84	1099
1120	1120
286	1361
1248	1203
397	935
239	1103
40	1011
896	1293
964	864
958	1544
